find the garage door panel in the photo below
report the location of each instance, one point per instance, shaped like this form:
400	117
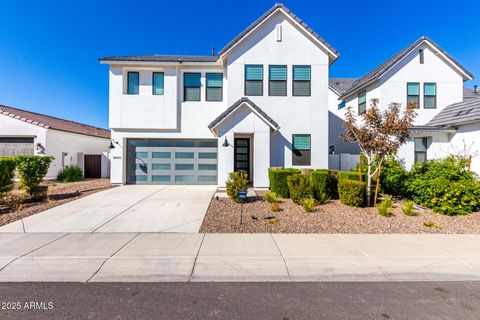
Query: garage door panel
160	161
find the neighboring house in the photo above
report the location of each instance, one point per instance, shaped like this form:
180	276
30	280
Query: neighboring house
261	102
422	73
71	143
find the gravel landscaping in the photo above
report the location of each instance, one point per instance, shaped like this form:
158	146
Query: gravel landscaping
58	193
223	216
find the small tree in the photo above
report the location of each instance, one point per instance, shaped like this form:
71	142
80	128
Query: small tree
378	134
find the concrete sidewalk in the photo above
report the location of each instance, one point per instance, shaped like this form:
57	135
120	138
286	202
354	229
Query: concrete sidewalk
152	257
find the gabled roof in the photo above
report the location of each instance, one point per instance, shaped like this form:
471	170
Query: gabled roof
379	71
469	93
458	114
53	123
161	58
256	109
340	85
334	54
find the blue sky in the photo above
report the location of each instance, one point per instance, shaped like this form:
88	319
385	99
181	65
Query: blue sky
49	50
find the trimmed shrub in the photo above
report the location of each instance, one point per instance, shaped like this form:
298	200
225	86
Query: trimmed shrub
237	181
351	192
70	174
32	170
13	200
299	187
320	181
309	204
348	175
323	198
278	180
7	173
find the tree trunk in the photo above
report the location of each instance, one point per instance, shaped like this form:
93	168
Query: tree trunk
377	186
369	183
360	168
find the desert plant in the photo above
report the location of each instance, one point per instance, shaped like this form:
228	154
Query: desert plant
7	173
32	170
271	197
237	181
275	206
278	180
13	200
408	208
299	187
351	192
70	174
384	208
309	204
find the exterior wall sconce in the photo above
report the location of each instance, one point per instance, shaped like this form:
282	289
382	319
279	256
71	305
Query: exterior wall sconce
40	148
225	143
112	144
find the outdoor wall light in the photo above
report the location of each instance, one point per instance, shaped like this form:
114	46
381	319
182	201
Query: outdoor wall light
112	146
225	143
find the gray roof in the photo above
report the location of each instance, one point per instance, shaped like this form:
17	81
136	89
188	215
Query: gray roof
340	85
458	113
427	128
265	15
234	106
376	73
162	58
469	93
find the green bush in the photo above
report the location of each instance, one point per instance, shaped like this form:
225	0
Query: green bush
348	175
309	204
13	200
320	182
351	192
32	170
7	173
323	198
408	208
237	181
299	186
445	186
385	206
70	174
394	177
278	180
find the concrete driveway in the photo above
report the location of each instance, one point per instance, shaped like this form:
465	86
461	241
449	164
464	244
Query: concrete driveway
125	209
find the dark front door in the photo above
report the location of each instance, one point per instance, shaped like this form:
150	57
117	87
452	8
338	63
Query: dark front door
93	166
242	156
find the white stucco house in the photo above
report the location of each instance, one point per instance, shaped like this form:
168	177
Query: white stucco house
261	102
70	143
448	114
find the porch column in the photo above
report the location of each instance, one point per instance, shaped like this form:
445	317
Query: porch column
225	157
261	158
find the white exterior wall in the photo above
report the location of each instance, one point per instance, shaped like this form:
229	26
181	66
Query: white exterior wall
439	148
466	141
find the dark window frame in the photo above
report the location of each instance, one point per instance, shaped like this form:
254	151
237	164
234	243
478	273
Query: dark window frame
425	95
153	83
206	87
295	81
410	95
425	144
128	82
185	87
277	81
256	81
301	157
363	103
421	56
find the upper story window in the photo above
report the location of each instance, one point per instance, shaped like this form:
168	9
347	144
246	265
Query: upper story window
341	105
214	86
301	150
429	95
253	80
191	86
132	82
413	93
362	102
301	80
157	83
421	146
277	80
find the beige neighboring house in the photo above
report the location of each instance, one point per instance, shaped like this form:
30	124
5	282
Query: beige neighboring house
69	142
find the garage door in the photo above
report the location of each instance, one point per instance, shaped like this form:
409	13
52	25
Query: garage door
10	146
166	161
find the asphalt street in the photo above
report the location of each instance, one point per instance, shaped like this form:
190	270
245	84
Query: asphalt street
284	301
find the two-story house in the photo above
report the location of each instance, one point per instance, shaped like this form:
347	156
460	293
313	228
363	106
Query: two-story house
261	102
422	73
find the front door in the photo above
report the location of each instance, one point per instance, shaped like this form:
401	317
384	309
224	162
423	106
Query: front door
242	156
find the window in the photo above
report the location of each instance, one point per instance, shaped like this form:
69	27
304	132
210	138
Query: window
191	86
362	102
214	86
421	146
157	83
277	84
413	93
429	95
132	82
301	80
301	150
341	105
253	80
421	56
